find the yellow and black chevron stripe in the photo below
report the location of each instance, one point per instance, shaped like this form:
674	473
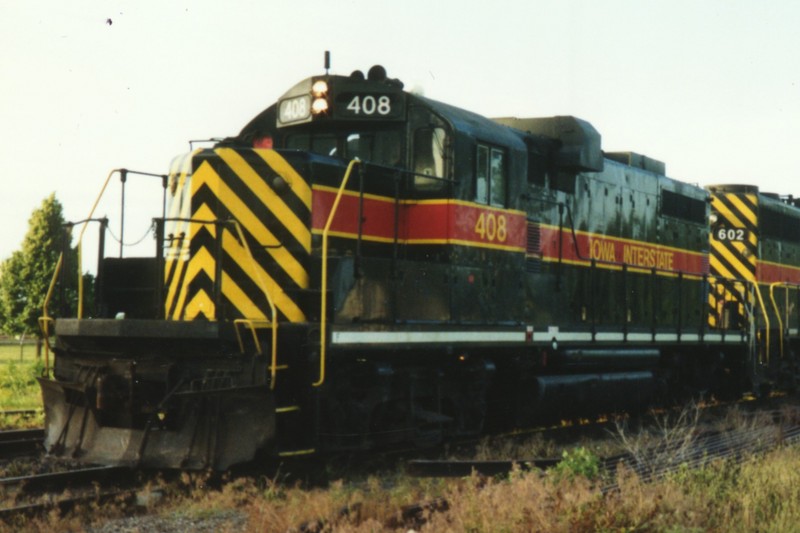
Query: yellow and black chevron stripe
208	272
733	257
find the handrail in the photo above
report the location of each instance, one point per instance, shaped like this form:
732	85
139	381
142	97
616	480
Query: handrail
45	318
777	312
273	323
252	325
85	224
766	316
80	238
272	308
736	287
324	282
44	327
775	305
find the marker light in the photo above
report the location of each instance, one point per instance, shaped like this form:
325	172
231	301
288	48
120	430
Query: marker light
262	142
320	88
320	105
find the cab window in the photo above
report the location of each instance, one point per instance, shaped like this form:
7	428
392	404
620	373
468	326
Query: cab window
359	145
490	176
324	144
429	158
379	147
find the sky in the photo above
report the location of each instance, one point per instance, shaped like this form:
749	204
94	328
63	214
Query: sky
710	87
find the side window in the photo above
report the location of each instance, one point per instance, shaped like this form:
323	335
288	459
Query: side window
490	176
429	145
498	182
482	175
537	169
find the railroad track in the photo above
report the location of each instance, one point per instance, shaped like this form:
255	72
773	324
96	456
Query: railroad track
24	413
19	442
692	450
737	445
35	494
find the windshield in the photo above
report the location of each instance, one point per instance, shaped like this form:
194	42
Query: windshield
376	146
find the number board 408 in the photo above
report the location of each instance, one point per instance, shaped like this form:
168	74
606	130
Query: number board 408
369	106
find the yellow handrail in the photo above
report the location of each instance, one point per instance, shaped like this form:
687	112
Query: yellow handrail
738	289
44	326
80	239
323	319
45	318
272	308
766	316
775	305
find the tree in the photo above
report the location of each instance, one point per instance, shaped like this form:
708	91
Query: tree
25	277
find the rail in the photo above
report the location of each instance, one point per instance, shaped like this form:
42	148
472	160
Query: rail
45	320
562	207
775	306
250	323
273	322
754	290
37	494
760	299
323	320
566	224
21	442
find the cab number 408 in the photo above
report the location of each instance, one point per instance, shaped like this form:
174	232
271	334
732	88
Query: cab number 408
491	227
370	105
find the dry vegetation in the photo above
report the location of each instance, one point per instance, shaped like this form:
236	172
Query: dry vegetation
759	494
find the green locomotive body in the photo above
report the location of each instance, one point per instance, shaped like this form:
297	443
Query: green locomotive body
362	267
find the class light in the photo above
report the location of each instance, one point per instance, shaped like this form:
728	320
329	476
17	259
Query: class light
320	105
320	88
262	142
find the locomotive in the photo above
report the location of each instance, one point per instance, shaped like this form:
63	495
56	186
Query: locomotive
364	267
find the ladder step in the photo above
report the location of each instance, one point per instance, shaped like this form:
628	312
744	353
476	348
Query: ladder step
280	367
294	453
253	326
287	409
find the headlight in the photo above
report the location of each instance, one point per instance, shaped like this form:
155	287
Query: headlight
320	88
320	105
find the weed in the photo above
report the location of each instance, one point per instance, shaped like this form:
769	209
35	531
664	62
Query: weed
578	462
667	444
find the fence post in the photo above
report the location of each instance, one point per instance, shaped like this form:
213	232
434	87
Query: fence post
21	346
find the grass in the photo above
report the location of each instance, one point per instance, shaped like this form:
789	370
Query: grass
12	352
18	387
762	494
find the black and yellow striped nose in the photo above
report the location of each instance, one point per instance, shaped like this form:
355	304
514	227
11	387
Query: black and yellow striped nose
210	273
733	254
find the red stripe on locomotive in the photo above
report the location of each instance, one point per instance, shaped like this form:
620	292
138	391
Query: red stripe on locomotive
767	272
614	252
435	222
